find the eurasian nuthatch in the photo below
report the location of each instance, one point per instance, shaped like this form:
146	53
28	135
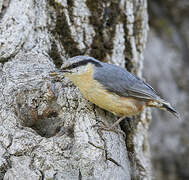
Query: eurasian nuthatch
112	88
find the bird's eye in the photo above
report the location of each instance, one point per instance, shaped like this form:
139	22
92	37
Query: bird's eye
74	65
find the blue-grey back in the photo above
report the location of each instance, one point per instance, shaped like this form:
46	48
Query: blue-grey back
118	80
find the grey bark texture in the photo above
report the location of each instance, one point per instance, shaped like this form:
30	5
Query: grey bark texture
166	67
46	126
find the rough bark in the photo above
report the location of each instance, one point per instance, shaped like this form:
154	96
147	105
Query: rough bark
46	126
166	68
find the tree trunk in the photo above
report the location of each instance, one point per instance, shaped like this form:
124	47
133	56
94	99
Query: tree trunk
46	127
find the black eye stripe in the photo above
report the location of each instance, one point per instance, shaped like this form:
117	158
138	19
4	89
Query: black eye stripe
82	63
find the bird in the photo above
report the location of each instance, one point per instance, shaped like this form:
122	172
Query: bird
112	88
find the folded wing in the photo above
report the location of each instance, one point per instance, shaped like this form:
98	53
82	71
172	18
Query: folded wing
119	81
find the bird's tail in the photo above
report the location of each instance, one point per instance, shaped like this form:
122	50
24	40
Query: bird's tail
162	104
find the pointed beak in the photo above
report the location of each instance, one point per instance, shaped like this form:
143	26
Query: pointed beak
65	71
58	72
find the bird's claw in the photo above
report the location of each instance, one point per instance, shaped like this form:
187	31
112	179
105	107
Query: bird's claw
112	129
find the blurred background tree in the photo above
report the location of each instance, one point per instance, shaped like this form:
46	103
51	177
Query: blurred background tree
166	68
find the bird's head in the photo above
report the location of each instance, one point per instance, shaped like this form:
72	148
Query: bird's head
78	65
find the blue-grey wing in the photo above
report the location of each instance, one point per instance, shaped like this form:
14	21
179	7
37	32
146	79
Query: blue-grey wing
121	82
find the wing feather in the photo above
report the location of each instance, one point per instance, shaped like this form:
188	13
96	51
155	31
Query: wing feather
119	81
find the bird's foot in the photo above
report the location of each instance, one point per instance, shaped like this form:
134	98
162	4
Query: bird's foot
106	128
